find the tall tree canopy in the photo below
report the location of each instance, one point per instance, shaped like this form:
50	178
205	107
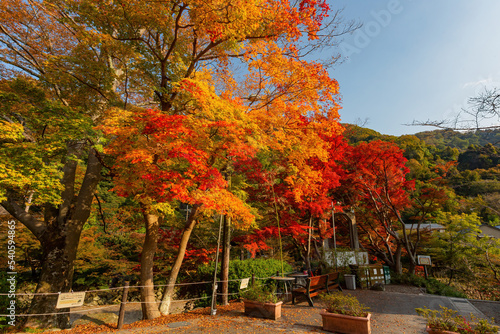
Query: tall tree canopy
104	61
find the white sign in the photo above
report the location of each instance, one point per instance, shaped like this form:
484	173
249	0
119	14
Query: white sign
71	299
244	283
424	260
346	258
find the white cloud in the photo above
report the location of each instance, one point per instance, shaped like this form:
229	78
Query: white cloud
483	82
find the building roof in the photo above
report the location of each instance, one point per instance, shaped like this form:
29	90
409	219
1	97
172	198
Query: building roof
490	231
425	226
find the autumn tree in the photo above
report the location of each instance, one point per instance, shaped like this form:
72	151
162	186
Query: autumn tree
295	197
467	255
375	185
92	55
43	143
277	90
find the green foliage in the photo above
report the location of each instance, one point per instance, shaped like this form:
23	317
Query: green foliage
245	268
357	134
432	285
460	140
238	269
479	157
34	135
456	246
99	260
346	304
260	293
443	320
449	320
4	301
435	287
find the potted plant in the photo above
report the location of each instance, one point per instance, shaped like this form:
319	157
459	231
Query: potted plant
344	313
447	321
261	302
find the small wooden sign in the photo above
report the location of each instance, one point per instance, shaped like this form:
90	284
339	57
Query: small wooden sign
71	299
424	260
244	283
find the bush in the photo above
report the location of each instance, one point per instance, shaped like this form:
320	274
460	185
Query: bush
238	269
432	285
346	304
260	294
449	320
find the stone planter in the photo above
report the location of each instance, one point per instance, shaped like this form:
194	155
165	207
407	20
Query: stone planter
438	331
347	324
263	310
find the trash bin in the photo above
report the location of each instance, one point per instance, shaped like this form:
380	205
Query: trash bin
387	275
350	281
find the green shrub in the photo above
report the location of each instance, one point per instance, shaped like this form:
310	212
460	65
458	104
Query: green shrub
238	269
440	320
432	285
449	320
260	293
346	304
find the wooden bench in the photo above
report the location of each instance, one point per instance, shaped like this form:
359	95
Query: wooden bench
315	285
333	282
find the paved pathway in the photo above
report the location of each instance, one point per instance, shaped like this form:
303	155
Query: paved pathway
392	313
464	307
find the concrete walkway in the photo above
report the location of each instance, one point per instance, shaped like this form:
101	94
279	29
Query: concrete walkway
392	313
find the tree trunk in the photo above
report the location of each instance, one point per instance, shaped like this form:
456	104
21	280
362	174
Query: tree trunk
148	298
59	236
353	230
397	259
308	252
186	233
56	276
411	268
226	251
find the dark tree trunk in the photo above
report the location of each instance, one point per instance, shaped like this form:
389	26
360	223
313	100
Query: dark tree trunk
398	268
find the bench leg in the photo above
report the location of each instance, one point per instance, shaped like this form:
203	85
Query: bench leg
309	300
340	288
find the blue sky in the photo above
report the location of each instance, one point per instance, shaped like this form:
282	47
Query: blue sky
416	60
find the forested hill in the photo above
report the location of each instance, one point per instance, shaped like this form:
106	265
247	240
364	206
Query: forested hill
474	176
460	140
441	139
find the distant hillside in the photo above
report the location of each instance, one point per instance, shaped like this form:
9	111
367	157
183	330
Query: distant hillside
357	134
459	140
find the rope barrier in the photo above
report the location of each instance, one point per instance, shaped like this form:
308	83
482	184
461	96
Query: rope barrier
40	314
120	288
130	287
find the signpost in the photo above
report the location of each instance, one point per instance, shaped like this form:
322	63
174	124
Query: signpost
244	283
70	299
424	260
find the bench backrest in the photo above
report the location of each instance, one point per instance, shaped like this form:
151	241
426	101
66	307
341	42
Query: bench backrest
333	277
317	282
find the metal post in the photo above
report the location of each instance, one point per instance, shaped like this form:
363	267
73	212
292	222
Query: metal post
334	236
122	305
213	309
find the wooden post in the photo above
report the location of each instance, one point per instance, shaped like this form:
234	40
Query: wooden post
253	279
122	305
